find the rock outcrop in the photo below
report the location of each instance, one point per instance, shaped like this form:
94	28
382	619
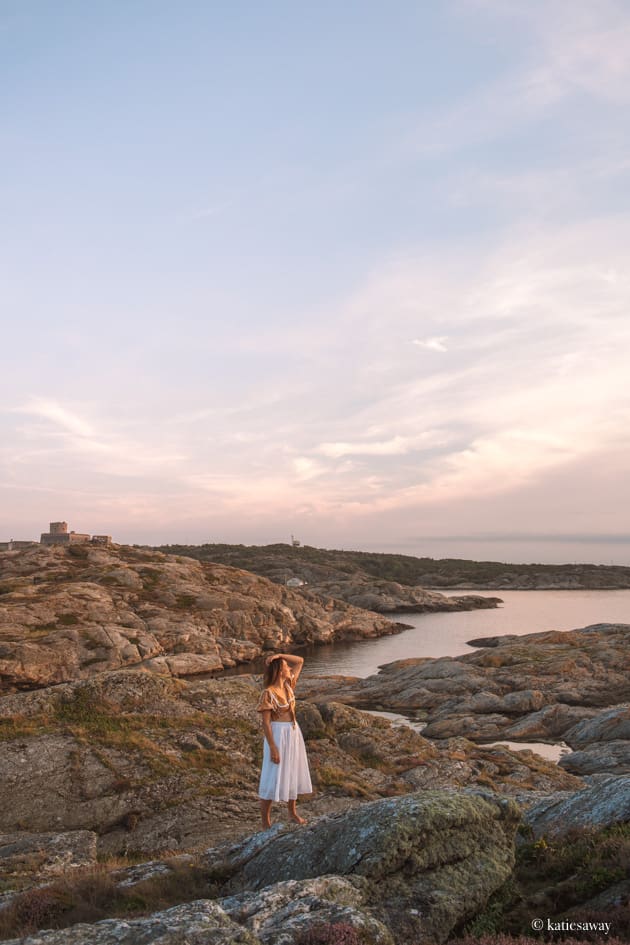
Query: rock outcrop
70	613
152	763
193	923
45	854
395	870
285	912
429	860
386	597
537	687
605	803
601	743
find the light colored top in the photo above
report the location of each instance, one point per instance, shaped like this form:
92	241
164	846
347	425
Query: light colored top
281	710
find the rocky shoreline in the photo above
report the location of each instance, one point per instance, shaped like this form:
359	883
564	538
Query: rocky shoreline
386	597
572	686
116	746
131	763
71	613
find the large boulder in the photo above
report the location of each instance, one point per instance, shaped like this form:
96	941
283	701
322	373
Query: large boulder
611	757
601	743
611	725
430	860
284	912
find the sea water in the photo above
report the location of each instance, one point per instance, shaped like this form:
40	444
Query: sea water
448	634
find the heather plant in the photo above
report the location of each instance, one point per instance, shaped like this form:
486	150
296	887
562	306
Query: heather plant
555	877
332	933
94	893
501	939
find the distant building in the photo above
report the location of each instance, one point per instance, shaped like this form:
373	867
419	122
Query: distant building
59	535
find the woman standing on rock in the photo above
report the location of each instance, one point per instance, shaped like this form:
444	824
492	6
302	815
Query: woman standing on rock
285	772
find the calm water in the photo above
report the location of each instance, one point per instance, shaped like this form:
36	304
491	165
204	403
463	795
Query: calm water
552	752
447	634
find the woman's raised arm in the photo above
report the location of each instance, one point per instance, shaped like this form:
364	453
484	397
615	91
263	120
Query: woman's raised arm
295	662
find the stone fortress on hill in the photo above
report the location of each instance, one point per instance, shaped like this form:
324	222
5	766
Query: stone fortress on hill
58	534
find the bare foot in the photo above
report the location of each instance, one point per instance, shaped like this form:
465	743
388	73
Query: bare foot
298	819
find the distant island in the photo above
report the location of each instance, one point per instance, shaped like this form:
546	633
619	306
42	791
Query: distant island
282	563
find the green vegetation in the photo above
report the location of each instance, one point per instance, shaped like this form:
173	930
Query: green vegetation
280	561
67	620
554	878
502	939
337	933
339	781
94	720
185	601
93	894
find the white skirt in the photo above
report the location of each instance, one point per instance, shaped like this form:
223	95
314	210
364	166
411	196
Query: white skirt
284	781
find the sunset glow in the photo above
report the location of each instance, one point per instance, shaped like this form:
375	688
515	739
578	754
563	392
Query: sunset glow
361	277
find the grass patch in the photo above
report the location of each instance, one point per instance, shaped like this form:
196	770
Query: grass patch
184	601
502	939
332	777
150	578
67	620
333	933
555	877
88	712
19	727
91	895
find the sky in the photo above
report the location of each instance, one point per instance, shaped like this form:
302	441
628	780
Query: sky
353	272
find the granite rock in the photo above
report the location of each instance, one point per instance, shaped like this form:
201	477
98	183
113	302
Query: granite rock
601	805
428	860
536	687
193	923
71	613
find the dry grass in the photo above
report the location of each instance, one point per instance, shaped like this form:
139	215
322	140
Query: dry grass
93	894
554	879
340	781
501	939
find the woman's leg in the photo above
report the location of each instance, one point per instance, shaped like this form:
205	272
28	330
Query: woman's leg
293	814
265	813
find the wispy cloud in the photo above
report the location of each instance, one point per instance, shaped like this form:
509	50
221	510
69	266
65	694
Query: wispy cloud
452	350
61	416
395	446
64	433
575	48
432	344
